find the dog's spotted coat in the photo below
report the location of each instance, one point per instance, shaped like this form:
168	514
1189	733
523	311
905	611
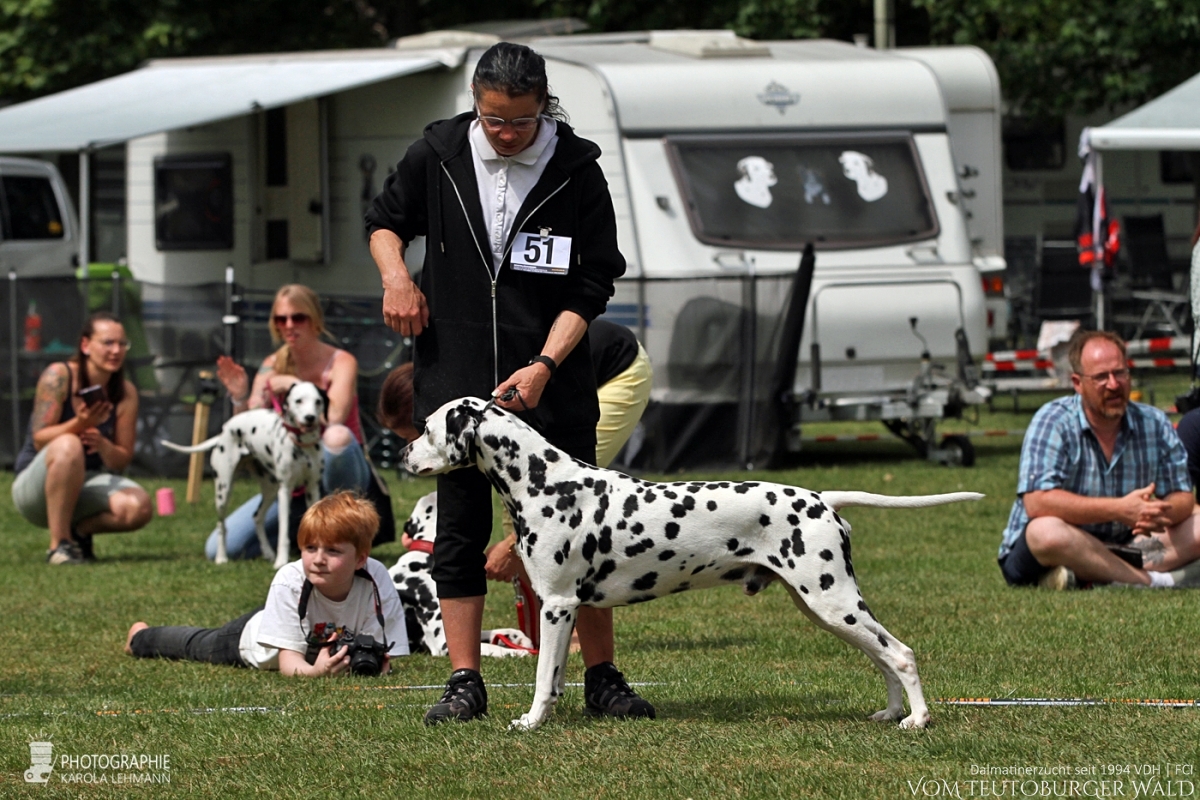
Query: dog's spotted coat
589	536
413	576
282	460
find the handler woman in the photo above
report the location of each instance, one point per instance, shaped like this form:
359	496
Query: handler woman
68	472
520	256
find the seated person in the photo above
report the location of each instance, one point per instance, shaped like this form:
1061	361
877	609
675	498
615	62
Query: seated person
67	474
353	593
296	321
1103	484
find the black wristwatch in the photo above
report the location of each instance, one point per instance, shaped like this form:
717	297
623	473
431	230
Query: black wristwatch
547	360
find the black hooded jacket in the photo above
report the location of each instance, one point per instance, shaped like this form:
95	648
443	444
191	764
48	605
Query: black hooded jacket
482	330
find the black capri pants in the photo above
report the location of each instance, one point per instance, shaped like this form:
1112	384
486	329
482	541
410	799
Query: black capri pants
464	524
186	643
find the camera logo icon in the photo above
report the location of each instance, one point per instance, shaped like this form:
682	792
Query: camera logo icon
41	762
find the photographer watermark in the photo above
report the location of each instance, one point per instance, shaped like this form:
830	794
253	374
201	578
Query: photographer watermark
1063	780
95	768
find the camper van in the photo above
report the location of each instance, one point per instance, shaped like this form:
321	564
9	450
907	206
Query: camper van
38	228
725	158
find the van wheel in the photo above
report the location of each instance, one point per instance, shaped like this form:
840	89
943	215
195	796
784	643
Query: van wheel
960	451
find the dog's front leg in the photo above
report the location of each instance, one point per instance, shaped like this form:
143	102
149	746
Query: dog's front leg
283	541
267	489
558	620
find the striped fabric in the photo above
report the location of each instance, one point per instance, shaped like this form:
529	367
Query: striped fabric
1061	452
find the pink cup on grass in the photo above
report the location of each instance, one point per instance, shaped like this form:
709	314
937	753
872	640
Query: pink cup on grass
165	497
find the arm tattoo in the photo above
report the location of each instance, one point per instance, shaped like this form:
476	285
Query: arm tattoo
1153	551
51	394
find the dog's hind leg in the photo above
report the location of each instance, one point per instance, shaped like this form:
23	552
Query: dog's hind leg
224	485
558	620
847	616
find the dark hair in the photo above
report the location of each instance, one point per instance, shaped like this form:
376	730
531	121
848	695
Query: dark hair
115	390
1079	340
396	398
516	70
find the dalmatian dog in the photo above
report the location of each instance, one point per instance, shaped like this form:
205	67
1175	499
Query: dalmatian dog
413	576
282	449
589	536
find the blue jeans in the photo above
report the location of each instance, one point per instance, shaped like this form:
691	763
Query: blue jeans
346	470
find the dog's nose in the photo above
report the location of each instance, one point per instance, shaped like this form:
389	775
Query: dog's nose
310	419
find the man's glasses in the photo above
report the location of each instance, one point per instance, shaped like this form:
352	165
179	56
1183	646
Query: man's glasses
297	319
1102	378
496	124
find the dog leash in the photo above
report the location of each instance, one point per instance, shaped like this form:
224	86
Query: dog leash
506	396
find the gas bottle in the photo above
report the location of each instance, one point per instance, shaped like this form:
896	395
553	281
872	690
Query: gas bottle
33	329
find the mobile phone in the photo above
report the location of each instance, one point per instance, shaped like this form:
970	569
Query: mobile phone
92	395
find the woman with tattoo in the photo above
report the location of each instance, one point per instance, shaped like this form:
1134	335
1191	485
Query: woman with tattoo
81	437
297	324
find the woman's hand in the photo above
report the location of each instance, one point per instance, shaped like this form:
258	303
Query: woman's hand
502	561
90	417
234	378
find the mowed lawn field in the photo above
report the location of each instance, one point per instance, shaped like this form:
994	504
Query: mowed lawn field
753	700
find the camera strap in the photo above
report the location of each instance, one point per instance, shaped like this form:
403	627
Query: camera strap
307	590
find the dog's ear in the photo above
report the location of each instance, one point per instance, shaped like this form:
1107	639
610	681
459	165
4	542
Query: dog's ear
462	423
324	402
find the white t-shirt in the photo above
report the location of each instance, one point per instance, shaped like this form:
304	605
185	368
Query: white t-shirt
505	182
278	625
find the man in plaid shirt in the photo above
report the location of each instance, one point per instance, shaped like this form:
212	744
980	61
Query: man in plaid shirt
1103	493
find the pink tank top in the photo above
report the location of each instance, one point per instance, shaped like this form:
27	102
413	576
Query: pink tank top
352	420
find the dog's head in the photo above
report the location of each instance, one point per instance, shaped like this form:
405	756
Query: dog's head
449	441
304	406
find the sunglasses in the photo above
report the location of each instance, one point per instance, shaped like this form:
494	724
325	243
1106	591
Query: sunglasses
297	319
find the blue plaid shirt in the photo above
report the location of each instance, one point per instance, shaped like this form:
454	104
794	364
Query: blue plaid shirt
1061	452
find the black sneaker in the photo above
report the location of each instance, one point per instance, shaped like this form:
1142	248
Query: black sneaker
465	699
67	552
607	694
85	545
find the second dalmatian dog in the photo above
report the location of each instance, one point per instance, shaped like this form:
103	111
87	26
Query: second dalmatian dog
413	576
589	536
282	449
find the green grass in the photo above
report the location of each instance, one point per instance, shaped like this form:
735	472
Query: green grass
753	700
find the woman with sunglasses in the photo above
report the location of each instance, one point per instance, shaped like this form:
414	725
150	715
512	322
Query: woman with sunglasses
298	324
520	256
81	437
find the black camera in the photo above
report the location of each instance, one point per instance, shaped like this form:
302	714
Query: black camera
366	654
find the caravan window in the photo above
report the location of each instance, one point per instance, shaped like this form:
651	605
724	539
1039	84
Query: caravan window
29	209
193	202
779	192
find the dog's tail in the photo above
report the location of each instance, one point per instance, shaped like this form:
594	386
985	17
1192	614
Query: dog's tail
203	447
840	500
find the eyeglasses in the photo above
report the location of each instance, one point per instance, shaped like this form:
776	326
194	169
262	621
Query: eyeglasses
110	344
1101	378
297	319
496	124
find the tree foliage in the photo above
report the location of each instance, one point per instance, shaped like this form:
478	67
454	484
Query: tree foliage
1054	56
1061	56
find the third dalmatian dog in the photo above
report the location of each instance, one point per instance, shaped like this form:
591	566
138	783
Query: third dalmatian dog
589	536
282	449
413	576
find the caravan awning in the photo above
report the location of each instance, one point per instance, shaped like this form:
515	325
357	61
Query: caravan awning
1169	122
179	93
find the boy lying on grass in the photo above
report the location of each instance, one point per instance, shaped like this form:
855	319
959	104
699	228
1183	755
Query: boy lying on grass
293	631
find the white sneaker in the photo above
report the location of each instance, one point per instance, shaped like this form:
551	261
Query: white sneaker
1058	579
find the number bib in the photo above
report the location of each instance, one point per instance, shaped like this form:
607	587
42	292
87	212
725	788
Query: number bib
547	255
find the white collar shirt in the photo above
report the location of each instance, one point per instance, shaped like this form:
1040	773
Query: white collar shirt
505	182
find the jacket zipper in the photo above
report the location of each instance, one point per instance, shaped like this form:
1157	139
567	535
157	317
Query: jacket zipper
494	276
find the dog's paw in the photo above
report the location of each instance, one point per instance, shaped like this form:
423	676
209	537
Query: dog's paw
525	723
887	715
914	721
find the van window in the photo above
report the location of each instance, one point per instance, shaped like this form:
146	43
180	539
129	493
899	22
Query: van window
30	209
779	192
